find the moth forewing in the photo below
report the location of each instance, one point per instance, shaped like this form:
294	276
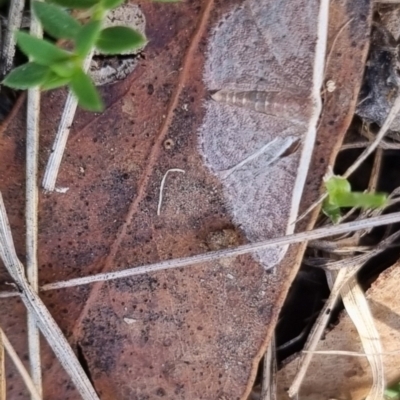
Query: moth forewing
265	73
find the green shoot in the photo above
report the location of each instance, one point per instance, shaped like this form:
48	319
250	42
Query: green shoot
340	195
51	66
392	393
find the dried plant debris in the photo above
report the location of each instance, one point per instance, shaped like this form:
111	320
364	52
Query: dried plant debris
109	69
381	81
351	377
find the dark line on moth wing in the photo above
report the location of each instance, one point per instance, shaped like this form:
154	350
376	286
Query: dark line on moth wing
211	93
291	149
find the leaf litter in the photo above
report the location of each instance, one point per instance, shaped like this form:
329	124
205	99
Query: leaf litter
160	392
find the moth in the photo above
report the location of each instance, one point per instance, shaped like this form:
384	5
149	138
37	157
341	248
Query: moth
280	104
264	70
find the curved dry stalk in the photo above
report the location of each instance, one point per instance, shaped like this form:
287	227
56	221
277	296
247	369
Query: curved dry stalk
162	187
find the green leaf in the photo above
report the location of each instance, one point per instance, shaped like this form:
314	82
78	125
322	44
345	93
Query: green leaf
42	51
392	394
331	211
54	81
87	37
27	76
119	39
56	22
337	184
359	199
87	94
79	4
110	4
64	69
340	195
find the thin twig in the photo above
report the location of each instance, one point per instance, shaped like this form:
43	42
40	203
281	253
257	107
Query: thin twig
162	187
352	353
5	295
380	135
294	340
14	22
342	278
368	151
20	367
36	307
361	258
319	328
362	145
232	252
57	151
270	368
357	308
31	213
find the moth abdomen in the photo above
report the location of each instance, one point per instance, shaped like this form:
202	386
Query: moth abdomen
279	104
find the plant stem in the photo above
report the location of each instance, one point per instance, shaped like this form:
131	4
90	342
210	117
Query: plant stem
57	151
31	215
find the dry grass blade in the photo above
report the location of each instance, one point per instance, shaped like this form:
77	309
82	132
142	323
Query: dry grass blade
269	390
20	367
367	152
244	249
354	353
362	145
42	316
5	295
342	278
357	307
319	327
359	259
375	143
2	371
57	151
14	22
31	214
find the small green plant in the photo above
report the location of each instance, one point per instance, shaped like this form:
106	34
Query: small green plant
393	392
51	66
340	195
